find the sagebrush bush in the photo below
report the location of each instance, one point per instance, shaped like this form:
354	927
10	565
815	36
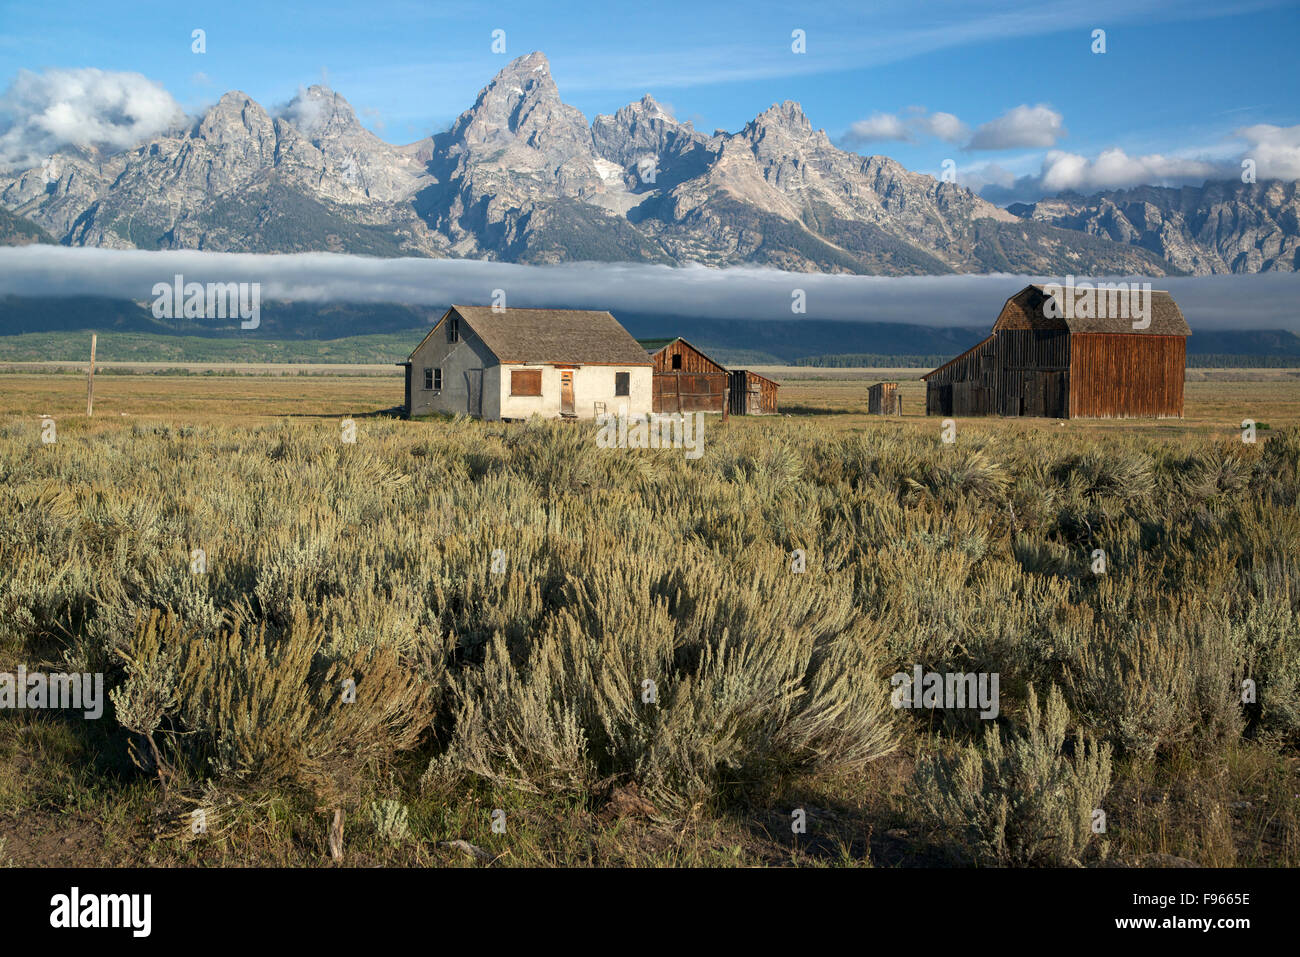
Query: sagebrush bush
1021	799
682	680
262	711
621	566
1155	684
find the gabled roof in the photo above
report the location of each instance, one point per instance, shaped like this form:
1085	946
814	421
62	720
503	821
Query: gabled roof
1026	310
699	352
561	336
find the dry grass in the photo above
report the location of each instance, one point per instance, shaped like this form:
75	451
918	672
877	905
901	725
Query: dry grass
523	689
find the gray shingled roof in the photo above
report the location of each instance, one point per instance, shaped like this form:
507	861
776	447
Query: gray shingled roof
1024	310
554	335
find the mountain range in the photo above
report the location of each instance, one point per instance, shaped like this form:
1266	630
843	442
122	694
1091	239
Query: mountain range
521	176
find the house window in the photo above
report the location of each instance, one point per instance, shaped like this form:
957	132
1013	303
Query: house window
526	382
621	382
677	361
428	378
437	379
433	379
453	329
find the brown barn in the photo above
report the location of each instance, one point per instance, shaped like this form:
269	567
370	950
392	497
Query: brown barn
751	393
1084	366
685	379
883	399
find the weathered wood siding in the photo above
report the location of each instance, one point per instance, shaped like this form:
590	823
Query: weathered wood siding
1114	375
752	394
692	359
698	384
964	386
883	399
1034	368
1013	372
688	392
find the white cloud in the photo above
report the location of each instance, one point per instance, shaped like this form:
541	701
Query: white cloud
41	112
1115	169
1024	126
886	127
746	292
307	112
945	126
878	127
990	174
1275	150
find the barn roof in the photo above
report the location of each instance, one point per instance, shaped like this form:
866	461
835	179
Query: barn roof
577	336
982	342
1025	310
756	375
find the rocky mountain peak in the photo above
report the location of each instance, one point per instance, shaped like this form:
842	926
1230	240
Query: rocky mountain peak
320	113
789	115
521	104
783	131
238	121
643	128
651	108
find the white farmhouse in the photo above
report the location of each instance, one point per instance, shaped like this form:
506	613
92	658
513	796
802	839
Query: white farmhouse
514	363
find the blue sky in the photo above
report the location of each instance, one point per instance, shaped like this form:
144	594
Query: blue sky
1177	85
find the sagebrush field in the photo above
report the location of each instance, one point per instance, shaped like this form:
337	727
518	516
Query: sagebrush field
615	649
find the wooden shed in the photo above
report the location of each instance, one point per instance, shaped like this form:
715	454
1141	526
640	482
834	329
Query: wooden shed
686	380
1045	359
883	399
751	393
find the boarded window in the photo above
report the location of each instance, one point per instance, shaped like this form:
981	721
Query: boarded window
621	380
526	382
453	329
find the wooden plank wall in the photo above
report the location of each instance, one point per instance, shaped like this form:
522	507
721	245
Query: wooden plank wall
752	394
687	392
1059	375
1114	375
1015	372
1034	366
966	385
883	399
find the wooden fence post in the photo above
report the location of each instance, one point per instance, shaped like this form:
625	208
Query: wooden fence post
90	378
